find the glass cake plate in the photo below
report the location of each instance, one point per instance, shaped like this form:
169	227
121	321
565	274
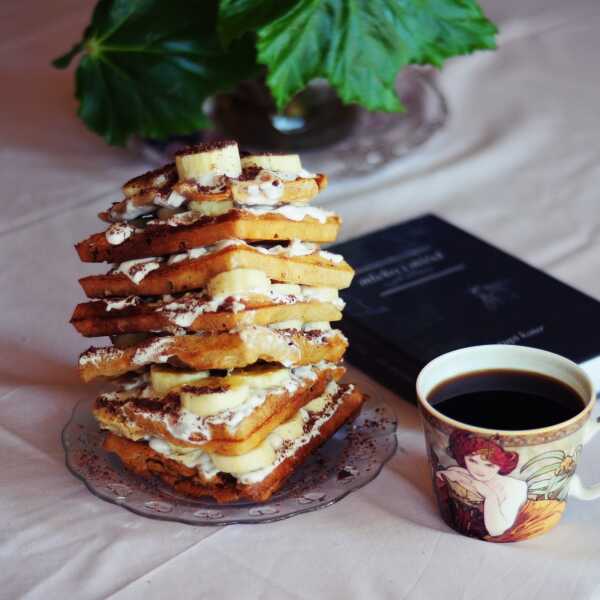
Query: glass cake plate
353	457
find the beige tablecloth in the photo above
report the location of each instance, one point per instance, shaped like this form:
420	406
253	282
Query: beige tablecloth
517	163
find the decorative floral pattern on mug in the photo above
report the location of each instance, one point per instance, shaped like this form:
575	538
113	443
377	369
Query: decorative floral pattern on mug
486	495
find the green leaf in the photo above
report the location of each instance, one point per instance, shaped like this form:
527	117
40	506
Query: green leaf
237	17
361	45
147	67
455	27
62	62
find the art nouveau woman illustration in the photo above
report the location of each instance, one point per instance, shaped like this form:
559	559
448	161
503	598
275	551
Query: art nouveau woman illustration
480	495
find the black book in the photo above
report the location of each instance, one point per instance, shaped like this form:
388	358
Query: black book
425	287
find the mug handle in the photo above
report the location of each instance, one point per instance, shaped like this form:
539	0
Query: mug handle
578	489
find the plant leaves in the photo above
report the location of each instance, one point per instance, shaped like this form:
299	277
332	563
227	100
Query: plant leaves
237	17
361	45
62	62
450	28
148	66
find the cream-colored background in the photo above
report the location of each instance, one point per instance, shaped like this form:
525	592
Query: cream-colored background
517	164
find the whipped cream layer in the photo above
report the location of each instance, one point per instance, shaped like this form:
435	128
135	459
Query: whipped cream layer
292	212
183	311
136	270
117	233
294	249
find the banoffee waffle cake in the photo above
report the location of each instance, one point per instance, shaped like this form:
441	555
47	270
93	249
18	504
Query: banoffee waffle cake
224	365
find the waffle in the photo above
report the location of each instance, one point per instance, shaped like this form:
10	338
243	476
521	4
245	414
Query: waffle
151	181
188	230
316	269
195	312
141	413
141	459
142	193
217	351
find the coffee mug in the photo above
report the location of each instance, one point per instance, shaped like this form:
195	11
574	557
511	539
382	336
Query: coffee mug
501	485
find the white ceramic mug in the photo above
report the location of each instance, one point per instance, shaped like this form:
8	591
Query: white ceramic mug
501	485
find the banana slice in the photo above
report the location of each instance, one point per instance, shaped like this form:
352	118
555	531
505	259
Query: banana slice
322	294
284	163
200	162
210	208
262	456
239	281
212	396
290	430
318	404
164	378
291	324
317	326
286	289
262	376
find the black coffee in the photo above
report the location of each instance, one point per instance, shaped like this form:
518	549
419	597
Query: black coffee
506	399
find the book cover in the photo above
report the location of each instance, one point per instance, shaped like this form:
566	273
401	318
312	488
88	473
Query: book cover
425	287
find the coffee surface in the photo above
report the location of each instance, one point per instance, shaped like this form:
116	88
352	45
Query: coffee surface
506	399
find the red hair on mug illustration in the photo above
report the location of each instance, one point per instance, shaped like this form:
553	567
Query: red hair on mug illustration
463	444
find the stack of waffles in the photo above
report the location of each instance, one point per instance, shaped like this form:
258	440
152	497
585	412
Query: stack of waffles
224	364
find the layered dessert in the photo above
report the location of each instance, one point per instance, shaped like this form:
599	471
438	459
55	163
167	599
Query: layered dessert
225	369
